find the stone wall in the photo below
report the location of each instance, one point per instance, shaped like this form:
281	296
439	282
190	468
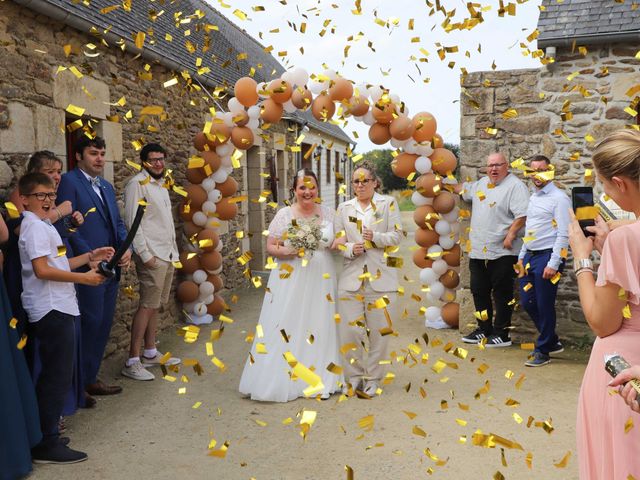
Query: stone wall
563	110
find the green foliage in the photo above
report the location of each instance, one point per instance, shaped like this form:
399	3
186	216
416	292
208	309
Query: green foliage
381	159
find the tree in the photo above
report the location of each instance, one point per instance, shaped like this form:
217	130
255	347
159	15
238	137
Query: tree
381	159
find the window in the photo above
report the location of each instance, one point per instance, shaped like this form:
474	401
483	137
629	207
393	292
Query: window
328	171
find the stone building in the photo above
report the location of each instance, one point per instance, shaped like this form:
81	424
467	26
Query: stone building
588	87
69	66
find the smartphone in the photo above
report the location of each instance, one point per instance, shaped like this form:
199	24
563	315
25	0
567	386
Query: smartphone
583	197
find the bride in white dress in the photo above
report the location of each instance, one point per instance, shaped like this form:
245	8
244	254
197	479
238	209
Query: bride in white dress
297	321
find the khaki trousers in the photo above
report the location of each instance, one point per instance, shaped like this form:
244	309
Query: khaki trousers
359	319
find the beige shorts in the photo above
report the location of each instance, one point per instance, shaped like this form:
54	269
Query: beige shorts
155	283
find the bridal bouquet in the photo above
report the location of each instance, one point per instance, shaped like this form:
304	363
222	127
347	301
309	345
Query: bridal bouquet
304	235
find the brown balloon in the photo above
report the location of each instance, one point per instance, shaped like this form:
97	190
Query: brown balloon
404	164
186	214
421	259
226	210
437	141
450	313
246	91
242	138
379	133
195	175
383	113
220	133
452	256
215	280
426	238
241	118
196	196
212	162
425	214
189	264
281	91
203	239
401	128
271	111
191	229
428	185
301	98
187	291
357	105
450	279
425	127
443	161
211	261
323	108
216	307
444	202
228	188
340	90
199	141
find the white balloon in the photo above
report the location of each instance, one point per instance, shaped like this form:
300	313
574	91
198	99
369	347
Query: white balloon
228	119
220	176
220	246
261	89
451	216
368	119
361	89
225	161
425	150
286	77
199	276
375	92
199	219
228	169
212	222
442	227
428	276
446	242
206	288
235	106
435	249
396	143
317	87
439	267
208	183
214	194
300	76
423	164
253	112
253	124
224	149
432	313
209	207
209	299
410	147
289	107
420	200
431	299
436	289
394	98
455	228
200	309
331	74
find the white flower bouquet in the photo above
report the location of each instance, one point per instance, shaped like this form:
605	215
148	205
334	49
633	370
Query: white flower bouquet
304	235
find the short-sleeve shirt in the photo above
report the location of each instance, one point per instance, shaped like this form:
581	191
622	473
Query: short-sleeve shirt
38	238
493	211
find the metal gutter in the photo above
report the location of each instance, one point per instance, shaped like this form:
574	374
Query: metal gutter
592	39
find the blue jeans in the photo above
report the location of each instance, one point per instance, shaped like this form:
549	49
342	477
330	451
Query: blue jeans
539	300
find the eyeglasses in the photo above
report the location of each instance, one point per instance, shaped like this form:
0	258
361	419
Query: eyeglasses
155	160
364	182
496	165
42	195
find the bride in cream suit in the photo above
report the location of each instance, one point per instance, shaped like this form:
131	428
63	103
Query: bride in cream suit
366	226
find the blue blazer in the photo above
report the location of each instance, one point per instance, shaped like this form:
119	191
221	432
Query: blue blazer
102	227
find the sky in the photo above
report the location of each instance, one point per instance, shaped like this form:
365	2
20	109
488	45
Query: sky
383	26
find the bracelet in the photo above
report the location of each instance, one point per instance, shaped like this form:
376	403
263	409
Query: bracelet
584	269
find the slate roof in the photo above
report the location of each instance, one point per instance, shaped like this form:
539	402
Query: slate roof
592	21
179	16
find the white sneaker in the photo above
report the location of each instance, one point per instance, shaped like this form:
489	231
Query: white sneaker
137	371
371	389
152	362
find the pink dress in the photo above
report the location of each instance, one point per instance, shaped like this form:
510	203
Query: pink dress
605	451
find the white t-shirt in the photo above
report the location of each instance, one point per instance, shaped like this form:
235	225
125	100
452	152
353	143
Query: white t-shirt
38	238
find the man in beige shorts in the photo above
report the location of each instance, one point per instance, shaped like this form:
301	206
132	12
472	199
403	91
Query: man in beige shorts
155	249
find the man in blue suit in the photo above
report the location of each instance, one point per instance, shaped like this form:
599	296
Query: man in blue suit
93	196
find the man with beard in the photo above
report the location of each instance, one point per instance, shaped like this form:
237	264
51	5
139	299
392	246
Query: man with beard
541	257
155	249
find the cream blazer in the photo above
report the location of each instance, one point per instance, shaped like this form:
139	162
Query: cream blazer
386	224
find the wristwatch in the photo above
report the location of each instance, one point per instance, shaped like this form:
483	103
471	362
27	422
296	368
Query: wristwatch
582	263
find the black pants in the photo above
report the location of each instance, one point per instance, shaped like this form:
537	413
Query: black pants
495	277
56	339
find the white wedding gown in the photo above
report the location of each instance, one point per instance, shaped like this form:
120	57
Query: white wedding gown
303	305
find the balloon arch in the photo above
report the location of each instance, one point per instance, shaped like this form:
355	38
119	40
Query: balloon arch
420	157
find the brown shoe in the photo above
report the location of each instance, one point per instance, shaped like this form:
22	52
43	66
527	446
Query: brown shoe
89	401
100	388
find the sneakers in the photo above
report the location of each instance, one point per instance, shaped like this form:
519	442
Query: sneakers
558	348
474	337
151	362
494	341
371	389
56	452
538	359
136	371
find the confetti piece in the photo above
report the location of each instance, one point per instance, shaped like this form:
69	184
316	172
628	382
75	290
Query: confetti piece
366	423
12	210
22	342
527	346
565	460
628	425
418	431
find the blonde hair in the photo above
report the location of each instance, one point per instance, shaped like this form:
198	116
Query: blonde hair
619	155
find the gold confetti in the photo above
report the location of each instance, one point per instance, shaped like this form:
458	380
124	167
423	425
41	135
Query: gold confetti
565	460
418	431
527	346
12	210
366	423
628	425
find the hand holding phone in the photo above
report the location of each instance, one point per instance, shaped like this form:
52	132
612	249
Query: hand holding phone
582	200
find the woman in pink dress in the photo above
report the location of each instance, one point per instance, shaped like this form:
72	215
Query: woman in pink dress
607	447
